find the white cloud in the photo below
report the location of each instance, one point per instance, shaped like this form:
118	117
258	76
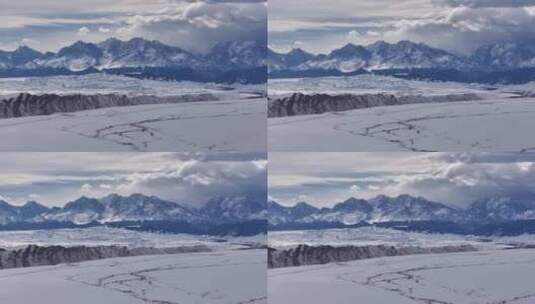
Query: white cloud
457	179
355	189
199	25
484	3
464	29
192	25
86	188
184	178
84	31
455	25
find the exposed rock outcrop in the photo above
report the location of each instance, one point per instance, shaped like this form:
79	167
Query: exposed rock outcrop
301	104
312	255
34	255
46	104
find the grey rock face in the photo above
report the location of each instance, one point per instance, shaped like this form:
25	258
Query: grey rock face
312	255
46	104
34	255
301	104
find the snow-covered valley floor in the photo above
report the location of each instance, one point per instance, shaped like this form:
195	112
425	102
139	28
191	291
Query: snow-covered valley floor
103	236
370	236
229	125
494	276
162	279
484	125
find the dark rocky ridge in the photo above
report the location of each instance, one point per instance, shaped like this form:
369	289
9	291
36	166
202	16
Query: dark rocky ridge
301	104
33	105
313	255
33	255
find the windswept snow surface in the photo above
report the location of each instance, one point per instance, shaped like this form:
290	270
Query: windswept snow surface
371	236
495	276
230	125
484	125
163	279
103	236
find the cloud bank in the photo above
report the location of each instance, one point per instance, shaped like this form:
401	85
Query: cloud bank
193	25
457	25
451	178
56	178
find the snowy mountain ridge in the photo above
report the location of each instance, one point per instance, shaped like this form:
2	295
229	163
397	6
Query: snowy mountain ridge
402	208
136	207
404	54
136	53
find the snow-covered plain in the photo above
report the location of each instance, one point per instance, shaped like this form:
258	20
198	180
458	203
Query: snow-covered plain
494	276
371	84
370	236
499	122
230	125
163	279
484	125
103	236
233	121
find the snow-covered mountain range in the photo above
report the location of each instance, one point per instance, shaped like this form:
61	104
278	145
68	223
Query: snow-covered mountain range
402	208
404	55
137	53
136	207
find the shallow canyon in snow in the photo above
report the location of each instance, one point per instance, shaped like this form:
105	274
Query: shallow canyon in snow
482	125
498	118
494	276
163	279
109	265
217	118
230	125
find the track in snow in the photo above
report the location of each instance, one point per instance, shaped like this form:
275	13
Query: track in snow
232	125
165	279
454	278
488	125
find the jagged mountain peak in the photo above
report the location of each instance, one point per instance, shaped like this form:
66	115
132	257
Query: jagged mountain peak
34	204
304	208
351	51
137	207
238	54
24	49
138	53
298	52
80	47
381	208
234	208
85	203
376	56
352	204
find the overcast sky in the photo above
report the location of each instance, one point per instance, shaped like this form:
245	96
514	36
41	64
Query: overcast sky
54	179
324	179
193	25
456	25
